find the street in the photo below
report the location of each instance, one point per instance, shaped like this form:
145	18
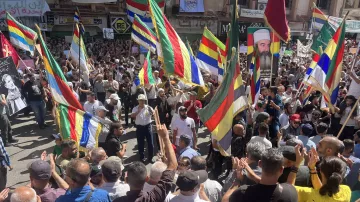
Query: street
33	141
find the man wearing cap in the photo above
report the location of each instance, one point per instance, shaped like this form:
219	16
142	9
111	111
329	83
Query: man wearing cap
184	125
293	128
113	105
111	172
192	106
40	174
142	115
101	116
189	183
156	77
305	132
91	104
184	147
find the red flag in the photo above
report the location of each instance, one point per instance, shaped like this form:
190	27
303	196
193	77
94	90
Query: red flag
275	18
8	50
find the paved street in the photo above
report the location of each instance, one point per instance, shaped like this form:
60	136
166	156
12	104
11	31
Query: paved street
33	141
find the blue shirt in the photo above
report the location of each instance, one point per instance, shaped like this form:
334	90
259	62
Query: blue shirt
4	157
188	152
306	142
272	111
79	195
352	177
357	151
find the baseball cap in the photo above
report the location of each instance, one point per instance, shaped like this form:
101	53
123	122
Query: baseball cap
114	96
101	108
141	97
40	170
288	152
295	117
189	179
111	168
307	129
95	170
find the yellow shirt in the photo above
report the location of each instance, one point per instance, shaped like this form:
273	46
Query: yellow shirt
307	194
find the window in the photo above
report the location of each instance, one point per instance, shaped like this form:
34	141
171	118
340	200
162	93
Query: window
323	4
288	4
243	2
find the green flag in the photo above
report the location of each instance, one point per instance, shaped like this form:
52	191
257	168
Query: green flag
323	38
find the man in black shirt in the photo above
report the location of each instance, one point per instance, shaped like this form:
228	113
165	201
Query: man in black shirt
272	167
35	95
114	147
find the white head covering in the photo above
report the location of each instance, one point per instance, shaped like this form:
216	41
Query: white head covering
261	34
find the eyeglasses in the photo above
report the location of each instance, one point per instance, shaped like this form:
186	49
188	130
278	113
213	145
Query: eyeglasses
297	122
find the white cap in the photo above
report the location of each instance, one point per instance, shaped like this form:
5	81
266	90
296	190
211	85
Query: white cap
101	108
261	34
141	97
117	61
114	96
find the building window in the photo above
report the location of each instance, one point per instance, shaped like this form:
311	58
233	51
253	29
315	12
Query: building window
323	4
243	2
288	4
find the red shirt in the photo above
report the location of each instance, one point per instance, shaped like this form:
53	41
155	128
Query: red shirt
192	112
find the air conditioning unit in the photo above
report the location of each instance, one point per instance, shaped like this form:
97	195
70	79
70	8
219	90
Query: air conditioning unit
261	6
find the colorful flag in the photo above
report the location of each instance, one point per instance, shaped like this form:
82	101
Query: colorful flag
76	16
275	18
176	58
143	35
8	50
319	18
322	39
229	99
79	126
254	80
20	35
208	56
141	9
326	75
76	50
57	81
146	74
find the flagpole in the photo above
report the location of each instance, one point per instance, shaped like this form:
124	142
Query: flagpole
272	57
347	119
79	52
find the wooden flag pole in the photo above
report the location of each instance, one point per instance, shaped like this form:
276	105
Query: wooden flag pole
158	123
347	119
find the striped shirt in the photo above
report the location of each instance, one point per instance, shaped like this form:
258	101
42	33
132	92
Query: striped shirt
4	157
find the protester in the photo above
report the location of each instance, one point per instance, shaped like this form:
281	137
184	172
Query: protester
114	146
4	165
24	194
321	131
263	132
69	150
305	133
5	125
92	104
97	155
156	171
184	125
184	148
192	106
352	176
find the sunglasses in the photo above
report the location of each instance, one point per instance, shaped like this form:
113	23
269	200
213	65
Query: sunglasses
297	122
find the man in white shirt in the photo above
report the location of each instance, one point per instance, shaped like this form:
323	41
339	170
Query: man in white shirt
263	131
113	105
101	116
151	94
184	125
111	171
156	172
142	115
92	104
191	190
284	117
156	77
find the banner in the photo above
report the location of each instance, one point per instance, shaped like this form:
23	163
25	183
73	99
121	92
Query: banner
26	63
352	26
191	6
24	8
250	13
10	85
303	51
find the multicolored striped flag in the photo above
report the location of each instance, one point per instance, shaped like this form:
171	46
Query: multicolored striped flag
141	9
57	81
8	50
229	99
176	58
275	18
79	126
207	56
319	18
254	80
77	15
20	35
144	36
76	50
326	75
146	75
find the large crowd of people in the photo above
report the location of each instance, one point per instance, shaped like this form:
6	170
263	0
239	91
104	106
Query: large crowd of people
288	147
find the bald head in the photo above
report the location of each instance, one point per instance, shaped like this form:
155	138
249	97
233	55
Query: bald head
78	171
97	155
238	129
330	146
24	194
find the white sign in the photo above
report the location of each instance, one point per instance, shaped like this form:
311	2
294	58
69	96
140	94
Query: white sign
243	49
303	51
18	8
352	26
250	13
108	33
43	26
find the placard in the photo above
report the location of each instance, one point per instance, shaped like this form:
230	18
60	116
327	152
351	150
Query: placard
23	8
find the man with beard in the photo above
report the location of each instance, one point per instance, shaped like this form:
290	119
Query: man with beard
184	126
263	42
69	151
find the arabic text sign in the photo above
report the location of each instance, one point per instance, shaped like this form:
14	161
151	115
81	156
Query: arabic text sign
19	8
250	13
352	26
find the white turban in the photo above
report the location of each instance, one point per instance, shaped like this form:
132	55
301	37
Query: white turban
261	34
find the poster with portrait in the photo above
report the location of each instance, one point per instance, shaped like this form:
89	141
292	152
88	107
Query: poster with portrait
266	46
10	85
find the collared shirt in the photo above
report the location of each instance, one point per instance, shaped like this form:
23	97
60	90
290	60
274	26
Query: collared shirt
115	189
188	152
157	194
50	194
352	177
357	150
4	157
144	117
182	198
306	142
80	194
213	189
